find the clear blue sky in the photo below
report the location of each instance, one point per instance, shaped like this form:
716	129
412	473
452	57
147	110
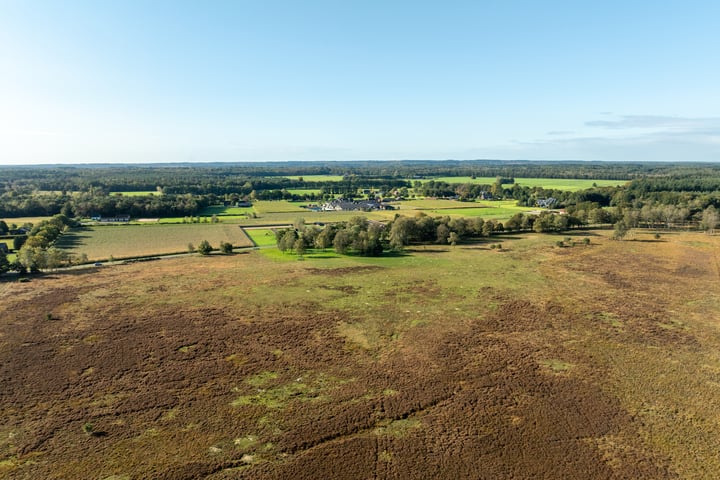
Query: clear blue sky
159	81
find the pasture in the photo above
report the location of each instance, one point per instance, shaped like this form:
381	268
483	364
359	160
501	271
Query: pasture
126	241
262	237
496	210
20	221
590	362
318	178
304	191
567	184
223	211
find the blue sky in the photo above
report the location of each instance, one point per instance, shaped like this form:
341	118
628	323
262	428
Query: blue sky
176	81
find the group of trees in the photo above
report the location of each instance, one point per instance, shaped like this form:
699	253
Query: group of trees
37	250
365	237
204	248
358	235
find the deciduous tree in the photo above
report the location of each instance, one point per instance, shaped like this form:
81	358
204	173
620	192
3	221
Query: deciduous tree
204	248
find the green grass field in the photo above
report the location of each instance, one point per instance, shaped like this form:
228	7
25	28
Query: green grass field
498	210
222	211
137	194
19	221
318	178
263	237
304	191
278	206
124	241
567	184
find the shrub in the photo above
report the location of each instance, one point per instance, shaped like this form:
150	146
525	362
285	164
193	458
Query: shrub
204	248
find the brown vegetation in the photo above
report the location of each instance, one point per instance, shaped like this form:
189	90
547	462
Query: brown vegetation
600	363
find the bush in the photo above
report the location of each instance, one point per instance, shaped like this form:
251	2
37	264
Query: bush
204	248
226	247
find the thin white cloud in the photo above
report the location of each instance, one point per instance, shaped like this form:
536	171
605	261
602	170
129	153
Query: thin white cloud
656	122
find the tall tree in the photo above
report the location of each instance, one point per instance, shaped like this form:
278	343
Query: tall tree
4	263
710	219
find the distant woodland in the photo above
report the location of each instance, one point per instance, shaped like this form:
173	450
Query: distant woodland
185	189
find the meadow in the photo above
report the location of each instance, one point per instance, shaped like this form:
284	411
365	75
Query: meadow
126	241
318	178
533	361
137	193
497	210
20	221
567	184
261	237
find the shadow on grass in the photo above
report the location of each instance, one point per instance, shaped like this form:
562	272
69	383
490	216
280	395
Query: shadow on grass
73	238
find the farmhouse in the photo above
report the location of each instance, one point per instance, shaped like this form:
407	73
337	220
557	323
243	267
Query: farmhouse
355	205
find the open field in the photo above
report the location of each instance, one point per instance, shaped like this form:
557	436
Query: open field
123	241
498	210
19	221
568	184
597	362
278	206
222	211
304	191
262	237
318	178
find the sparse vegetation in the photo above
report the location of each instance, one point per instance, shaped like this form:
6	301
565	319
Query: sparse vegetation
372	359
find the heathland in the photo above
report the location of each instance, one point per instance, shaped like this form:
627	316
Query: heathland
528	361
386	320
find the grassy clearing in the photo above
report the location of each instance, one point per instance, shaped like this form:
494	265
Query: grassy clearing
304	191
222	211
429	204
498	210
318	178
123	241
263	237
567	184
278	206
19	221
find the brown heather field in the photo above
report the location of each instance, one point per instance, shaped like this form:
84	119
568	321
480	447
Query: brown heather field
597	362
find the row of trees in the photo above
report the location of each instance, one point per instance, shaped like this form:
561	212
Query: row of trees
221	178
37	251
365	237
